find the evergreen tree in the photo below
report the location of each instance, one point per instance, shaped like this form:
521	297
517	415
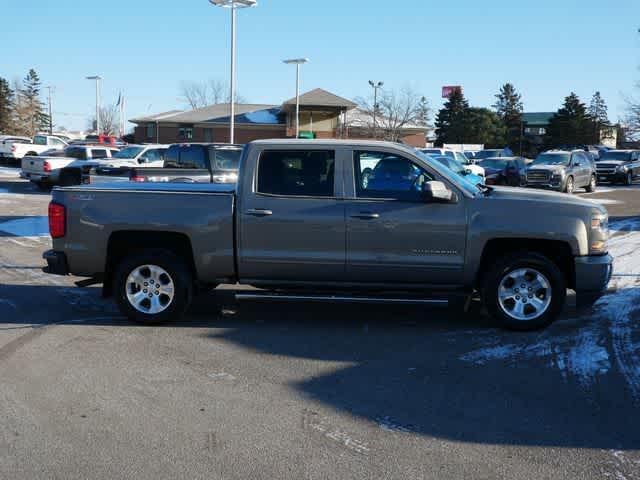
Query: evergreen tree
6	107
485	127
31	113
451	119
598	112
509	108
571	125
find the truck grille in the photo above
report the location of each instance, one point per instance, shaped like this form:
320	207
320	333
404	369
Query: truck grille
605	168
538	176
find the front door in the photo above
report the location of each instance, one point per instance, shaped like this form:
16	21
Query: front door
393	236
291	221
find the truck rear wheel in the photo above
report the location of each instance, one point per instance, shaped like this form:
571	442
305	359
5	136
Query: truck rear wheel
524	291
153	287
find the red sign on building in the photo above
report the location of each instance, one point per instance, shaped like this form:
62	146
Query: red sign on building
447	90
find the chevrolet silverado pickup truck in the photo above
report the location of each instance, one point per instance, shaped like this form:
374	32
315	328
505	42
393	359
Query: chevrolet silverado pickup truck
302	225
15	151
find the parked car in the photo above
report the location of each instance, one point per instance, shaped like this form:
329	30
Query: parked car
563	171
458	156
46	171
460	169
192	162
493	153
17	150
511	171
618	166
301	225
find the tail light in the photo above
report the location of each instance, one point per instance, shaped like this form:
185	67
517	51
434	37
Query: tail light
46	166
57	220
138	178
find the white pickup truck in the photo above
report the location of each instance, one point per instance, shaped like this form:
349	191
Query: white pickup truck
45	171
17	150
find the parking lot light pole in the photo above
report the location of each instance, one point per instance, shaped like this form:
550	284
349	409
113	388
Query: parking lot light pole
297	62
375	86
97	78
233	5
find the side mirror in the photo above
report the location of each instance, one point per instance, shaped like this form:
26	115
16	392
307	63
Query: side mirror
437	192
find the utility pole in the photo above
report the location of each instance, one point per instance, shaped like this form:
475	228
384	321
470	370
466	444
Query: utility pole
375	87
50	112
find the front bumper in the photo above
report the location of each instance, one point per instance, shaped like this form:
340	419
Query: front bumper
547	186
593	273
612	177
56	263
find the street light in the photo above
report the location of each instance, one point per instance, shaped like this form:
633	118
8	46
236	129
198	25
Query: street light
297	62
233	5
375	87
97	78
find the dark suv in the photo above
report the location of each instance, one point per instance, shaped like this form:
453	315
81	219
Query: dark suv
618	166
563	171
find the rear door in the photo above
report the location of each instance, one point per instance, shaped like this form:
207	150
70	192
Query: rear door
393	236
291	217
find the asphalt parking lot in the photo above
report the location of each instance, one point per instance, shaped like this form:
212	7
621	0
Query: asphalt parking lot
298	391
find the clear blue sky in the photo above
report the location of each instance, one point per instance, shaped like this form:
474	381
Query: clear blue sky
547	48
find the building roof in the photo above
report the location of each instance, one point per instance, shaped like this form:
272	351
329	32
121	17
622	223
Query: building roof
155	117
321	98
215	114
537	118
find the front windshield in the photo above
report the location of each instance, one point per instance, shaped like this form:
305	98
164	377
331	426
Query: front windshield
450	174
487	154
129	152
552	159
615	156
494	163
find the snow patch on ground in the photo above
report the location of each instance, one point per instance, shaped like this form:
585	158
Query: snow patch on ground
584	355
605	201
26	227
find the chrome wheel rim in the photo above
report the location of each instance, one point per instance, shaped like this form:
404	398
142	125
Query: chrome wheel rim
150	289
570	185
524	294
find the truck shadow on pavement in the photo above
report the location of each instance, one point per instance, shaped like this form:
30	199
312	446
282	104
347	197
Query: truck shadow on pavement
411	370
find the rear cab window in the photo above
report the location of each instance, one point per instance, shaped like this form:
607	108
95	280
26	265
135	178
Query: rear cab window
297	173
187	157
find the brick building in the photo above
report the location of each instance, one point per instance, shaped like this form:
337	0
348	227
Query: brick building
322	115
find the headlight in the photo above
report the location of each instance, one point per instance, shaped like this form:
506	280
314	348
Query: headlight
622	168
599	232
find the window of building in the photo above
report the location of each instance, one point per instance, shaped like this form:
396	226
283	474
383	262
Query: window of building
186	133
297	173
385	175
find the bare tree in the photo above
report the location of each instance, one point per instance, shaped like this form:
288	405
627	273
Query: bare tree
395	111
204	93
632	118
109	120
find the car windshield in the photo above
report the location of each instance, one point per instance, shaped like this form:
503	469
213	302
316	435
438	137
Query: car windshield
495	163
448	173
552	159
615	156
129	152
487	154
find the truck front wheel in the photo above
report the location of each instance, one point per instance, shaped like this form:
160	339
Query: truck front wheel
524	291
153	287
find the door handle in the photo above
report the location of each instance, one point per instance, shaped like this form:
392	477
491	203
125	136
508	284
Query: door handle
259	212
366	216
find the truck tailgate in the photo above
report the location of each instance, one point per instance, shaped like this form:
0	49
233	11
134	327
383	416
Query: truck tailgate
203	214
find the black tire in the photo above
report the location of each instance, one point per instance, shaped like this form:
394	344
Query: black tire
592	184
570	185
179	273
523	260
628	180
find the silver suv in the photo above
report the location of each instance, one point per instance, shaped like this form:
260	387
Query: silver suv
563	171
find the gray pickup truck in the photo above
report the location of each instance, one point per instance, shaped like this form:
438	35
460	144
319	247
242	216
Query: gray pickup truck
301	224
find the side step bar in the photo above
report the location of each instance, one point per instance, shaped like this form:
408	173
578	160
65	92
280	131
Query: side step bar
281	297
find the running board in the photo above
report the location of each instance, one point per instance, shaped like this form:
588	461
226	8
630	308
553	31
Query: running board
336	299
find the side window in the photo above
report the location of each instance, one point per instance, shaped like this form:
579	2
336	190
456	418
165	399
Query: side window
78	153
171	157
98	153
150	156
386	175
297	173
192	157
